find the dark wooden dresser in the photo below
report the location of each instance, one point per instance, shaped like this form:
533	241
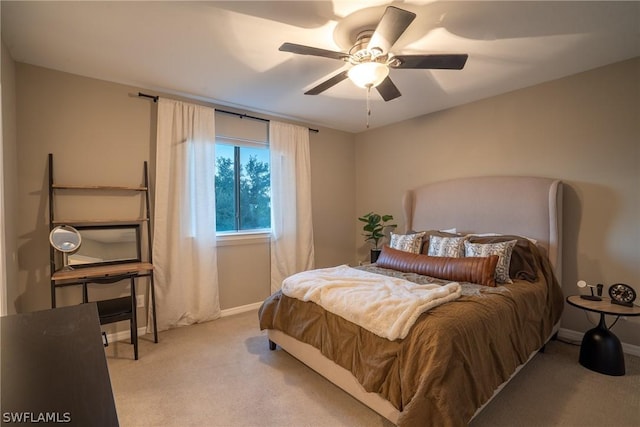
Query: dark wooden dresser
54	369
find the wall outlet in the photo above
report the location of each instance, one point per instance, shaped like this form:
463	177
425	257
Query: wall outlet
139	301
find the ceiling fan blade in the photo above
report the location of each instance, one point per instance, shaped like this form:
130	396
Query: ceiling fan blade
441	62
332	81
388	90
308	50
391	26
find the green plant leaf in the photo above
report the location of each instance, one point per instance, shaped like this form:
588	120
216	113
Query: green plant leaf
374	227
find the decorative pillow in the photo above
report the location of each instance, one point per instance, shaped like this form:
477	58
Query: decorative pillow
429	233
407	242
502	249
446	246
525	258
473	270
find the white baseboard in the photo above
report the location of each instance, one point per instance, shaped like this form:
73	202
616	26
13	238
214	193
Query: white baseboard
242	309
576	336
125	335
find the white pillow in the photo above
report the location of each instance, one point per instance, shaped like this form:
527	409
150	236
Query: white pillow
446	246
453	230
502	249
407	242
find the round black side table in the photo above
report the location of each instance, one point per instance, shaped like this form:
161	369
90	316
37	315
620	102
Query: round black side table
601	350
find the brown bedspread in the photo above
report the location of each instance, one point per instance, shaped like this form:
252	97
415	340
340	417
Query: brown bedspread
454	357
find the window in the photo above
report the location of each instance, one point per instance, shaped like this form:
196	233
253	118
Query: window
243	188
243	177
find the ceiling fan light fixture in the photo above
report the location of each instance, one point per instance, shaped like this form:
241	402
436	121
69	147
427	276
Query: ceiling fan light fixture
368	74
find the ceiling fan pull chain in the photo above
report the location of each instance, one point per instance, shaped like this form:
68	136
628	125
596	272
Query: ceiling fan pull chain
368	106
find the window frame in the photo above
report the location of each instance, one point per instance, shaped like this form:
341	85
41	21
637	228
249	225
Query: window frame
232	238
247	236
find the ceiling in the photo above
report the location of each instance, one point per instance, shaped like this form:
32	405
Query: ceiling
227	52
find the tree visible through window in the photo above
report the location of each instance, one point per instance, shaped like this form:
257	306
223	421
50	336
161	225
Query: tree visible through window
243	188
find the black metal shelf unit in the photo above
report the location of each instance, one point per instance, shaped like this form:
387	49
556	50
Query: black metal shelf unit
115	309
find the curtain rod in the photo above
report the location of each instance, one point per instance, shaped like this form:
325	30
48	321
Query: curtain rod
241	115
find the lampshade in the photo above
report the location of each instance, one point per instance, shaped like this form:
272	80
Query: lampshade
368	74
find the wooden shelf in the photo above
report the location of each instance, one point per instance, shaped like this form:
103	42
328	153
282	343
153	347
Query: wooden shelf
99	221
97	187
102	271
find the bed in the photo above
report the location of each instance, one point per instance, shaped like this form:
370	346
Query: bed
460	354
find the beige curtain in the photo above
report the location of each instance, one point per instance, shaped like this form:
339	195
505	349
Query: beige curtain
291	223
184	229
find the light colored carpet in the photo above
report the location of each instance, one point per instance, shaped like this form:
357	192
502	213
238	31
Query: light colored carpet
222	373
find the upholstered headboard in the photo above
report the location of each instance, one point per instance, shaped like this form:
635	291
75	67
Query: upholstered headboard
526	206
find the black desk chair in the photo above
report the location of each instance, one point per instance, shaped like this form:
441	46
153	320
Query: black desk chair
117	309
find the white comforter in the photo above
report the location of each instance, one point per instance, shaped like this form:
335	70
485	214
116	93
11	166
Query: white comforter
386	306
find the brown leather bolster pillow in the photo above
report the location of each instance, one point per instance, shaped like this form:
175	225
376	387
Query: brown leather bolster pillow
480	270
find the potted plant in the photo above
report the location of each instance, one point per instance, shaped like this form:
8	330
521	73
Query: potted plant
374	228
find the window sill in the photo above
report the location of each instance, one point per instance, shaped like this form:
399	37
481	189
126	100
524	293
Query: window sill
247	238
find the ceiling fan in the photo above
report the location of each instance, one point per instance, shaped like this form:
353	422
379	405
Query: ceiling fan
371	58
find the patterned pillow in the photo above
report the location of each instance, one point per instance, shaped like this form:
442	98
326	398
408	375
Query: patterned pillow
427	236
524	258
446	246
502	249
407	242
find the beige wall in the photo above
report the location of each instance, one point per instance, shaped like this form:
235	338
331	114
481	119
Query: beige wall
333	183
10	176
583	129
100	133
